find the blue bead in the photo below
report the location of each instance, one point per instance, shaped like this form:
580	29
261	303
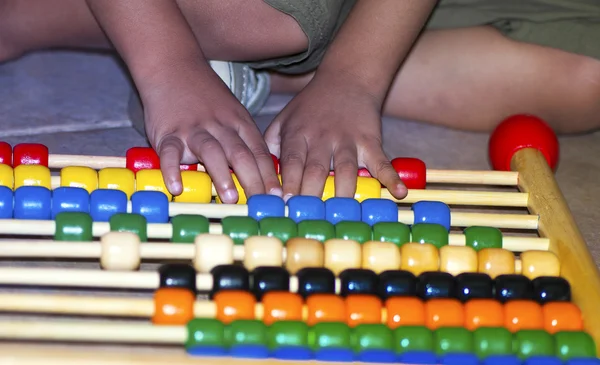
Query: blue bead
106	202
379	210
460	359
377	356
342	209
502	360
153	205
292	353
33	202
332	354
305	207
583	361
543	360
249	351
418	357
207	351
6	202
264	205
432	212
70	199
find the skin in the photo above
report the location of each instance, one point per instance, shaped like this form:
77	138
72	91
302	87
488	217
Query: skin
442	77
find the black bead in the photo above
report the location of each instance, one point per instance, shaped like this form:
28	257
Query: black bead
177	276
358	281
551	289
315	280
435	284
511	287
395	283
269	278
472	285
229	277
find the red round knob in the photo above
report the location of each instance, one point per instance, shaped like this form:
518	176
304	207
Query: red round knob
412	172
518	132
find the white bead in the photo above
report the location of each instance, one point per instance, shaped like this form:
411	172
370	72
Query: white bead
212	250
342	254
262	251
120	251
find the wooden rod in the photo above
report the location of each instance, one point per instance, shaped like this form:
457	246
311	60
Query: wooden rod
566	241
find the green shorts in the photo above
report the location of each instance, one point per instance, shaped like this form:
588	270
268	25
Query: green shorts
570	25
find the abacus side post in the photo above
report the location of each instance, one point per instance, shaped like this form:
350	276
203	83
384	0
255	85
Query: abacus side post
566	241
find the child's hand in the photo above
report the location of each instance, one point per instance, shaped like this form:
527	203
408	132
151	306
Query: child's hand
332	123
191	116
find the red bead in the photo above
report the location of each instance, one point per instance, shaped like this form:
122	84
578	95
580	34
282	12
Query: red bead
412	172
192	167
522	131
141	158
275	163
30	154
5	153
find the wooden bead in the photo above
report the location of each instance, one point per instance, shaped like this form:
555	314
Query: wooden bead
380	256
7	176
303	252
458	259
117	178
539	263
242	199
79	177
151	179
212	250
342	254
496	261
32	175
197	188
262	251
419	257
173	307
120	251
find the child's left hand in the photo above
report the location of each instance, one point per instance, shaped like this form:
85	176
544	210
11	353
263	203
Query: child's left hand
332	123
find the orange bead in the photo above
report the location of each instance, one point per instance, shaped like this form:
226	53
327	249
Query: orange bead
282	306
325	308
233	305
173	306
363	309
444	312
523	315
405	311
562	316
483	313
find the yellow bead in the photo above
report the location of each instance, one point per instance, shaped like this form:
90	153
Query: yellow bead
151	179
303	252
342	254
241	194
329	188
7	176
419	257
380	256
262	251
79	177
458	259
539	263
117	178
495	262
366	188
197	188
32	175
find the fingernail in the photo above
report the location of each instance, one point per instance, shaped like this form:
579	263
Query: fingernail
287	197
229	196
175	188
276	192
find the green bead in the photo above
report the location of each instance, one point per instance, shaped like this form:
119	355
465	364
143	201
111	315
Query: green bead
129	222
395	232
574	344
372	337
239	228
434	234
247	332
320	230
488	341
483	237
533	343
205	332
283	228
452	340
187	226
330	335
412	338
287	333
355	231
73	226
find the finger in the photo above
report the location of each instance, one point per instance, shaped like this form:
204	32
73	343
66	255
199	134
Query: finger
291	164
317	168
345	165
381	168
210	152
273	138
170	152
264	161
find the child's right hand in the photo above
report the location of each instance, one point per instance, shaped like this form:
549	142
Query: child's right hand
191	116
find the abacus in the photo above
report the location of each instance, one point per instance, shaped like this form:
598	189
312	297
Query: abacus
125	273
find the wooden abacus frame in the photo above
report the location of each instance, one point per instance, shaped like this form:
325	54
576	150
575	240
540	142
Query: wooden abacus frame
545	199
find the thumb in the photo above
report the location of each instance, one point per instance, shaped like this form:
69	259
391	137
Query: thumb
273	137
